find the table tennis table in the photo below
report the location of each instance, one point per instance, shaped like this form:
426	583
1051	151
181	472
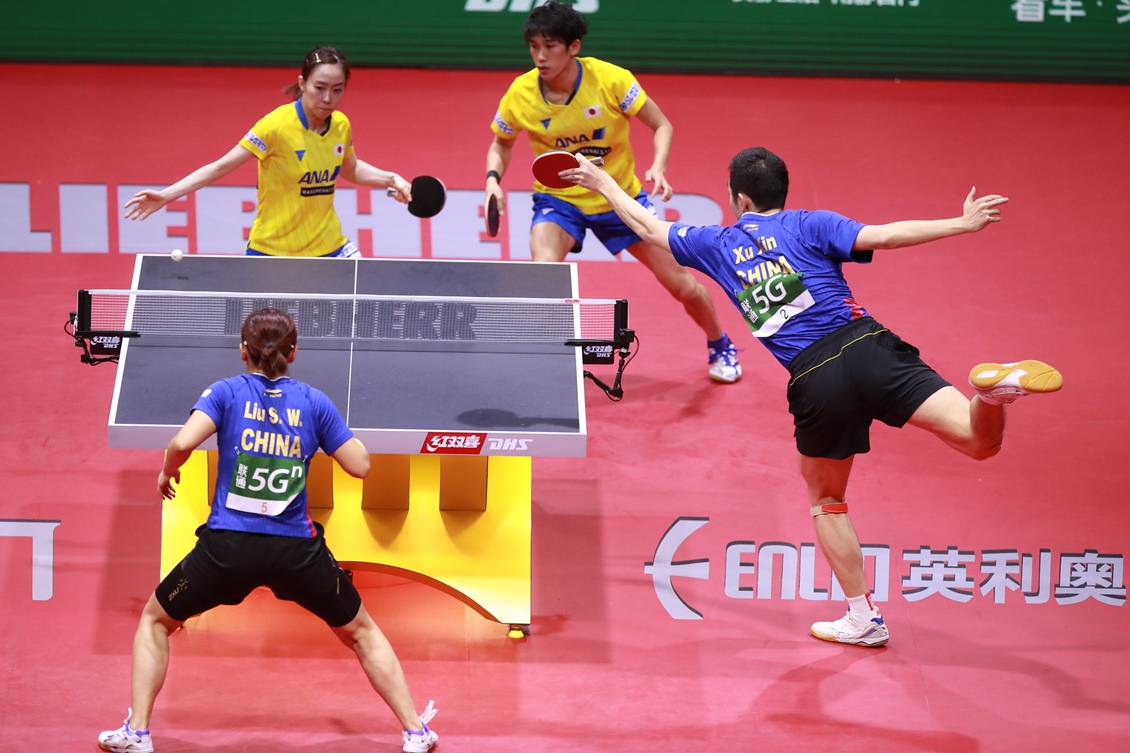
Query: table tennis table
452	420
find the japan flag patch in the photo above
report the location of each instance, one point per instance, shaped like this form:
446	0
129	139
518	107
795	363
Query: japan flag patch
339	150
592	111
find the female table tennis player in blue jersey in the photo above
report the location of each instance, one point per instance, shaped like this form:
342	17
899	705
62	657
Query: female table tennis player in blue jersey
259	531
585	105
302	148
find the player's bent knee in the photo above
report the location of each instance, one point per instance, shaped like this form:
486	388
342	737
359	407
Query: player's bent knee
984	452
830	508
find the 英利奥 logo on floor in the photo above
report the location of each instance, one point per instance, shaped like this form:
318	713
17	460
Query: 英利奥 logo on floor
772	569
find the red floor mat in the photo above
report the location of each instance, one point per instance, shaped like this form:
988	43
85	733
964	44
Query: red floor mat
979	662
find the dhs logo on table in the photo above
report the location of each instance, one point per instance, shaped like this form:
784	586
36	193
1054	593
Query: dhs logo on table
105	345
597	354
453	443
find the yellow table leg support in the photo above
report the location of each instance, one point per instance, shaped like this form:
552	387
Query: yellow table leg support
181	517
462	526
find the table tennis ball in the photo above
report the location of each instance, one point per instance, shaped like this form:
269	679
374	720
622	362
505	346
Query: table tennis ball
177	254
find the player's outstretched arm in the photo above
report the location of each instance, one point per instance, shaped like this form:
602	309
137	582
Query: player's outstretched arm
642	222
360	172
148	201
498	159
353	458
976	214
196	429
663	134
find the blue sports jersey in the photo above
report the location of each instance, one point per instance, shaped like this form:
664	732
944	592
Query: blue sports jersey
267	431
782	271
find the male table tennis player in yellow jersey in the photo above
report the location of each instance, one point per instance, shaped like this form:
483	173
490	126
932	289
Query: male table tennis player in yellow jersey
584	105
302	148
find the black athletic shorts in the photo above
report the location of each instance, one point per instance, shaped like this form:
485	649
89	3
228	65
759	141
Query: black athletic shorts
225	566
845	380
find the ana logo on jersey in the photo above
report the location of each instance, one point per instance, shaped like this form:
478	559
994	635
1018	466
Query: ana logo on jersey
318	182
564	142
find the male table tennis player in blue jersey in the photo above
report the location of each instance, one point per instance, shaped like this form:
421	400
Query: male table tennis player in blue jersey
259	531
302	148
585	105
782	269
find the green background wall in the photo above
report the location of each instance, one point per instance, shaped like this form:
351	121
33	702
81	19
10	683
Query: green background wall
884	38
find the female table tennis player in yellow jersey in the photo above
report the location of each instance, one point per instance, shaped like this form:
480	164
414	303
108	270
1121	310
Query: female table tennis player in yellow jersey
303	147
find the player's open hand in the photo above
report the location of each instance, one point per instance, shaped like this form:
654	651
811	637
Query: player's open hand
980	212
165	484
144	203
658	177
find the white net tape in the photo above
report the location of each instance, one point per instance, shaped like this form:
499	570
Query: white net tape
357	317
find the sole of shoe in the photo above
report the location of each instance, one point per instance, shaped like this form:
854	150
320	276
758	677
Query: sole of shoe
878	644
1037	377
875	643
723	379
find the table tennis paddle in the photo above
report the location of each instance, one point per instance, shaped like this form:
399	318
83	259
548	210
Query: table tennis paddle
547	166
492	216
428	196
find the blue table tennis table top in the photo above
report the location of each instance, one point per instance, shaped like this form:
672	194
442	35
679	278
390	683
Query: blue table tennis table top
399	397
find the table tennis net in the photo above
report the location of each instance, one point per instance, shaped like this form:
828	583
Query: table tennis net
354	317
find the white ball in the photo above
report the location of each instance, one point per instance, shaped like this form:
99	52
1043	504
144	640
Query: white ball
177	254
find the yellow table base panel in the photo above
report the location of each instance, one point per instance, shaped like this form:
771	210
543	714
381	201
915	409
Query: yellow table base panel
458	523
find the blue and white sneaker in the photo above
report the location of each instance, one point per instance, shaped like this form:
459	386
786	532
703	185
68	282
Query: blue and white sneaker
126	740
871	634
421	740
723	358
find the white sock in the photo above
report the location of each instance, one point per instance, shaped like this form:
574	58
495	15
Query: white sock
862	608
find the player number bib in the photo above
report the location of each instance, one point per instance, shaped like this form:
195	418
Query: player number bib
767	306
265	485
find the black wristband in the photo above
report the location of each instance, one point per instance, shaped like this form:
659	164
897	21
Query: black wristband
494	174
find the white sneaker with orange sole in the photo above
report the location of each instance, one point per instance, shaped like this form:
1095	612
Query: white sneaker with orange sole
1001	383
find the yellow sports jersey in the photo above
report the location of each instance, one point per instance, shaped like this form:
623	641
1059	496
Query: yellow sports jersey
594	123
298	170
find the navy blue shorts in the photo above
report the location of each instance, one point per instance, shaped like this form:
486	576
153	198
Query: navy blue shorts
606	226
843	381
225	566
